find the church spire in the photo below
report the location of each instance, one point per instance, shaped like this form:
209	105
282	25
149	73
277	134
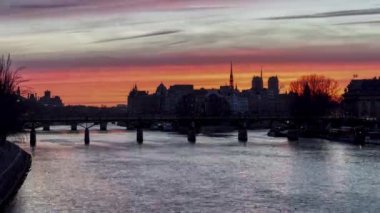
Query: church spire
231	77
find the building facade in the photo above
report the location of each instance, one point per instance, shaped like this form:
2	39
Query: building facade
362	98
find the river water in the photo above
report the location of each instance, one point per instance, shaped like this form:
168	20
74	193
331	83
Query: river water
218	174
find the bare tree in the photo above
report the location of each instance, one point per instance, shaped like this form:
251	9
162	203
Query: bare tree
9	78
318	85
10	109
317	95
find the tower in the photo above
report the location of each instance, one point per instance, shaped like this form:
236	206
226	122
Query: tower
273	85
47	94
231	77
257	82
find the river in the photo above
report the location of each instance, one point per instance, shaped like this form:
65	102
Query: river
217	174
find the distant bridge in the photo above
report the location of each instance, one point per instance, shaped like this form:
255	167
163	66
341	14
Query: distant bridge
139	122
154	118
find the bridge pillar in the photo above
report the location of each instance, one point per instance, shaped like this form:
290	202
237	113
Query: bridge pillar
191	134
33	137
86	136
74	127
46	127
243	134
140	135
103	126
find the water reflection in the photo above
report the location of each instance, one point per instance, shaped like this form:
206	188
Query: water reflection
218	174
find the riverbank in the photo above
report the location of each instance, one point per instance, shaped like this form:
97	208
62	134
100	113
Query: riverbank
15	164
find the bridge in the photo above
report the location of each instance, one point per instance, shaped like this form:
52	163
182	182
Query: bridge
191	123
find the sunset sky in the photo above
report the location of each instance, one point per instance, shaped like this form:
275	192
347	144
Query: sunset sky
93	51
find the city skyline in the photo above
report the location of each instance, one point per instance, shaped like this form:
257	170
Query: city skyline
231	84
93	59
246	83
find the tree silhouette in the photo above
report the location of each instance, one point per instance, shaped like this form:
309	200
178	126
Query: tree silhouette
10	104
317	85
316	96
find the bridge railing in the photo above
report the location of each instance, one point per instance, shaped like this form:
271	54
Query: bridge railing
153	118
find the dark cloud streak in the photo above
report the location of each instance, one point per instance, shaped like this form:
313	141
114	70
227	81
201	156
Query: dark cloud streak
360	23
341	13
42	6
158	33
196	8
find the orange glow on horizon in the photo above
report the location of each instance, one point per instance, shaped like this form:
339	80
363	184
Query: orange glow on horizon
111	86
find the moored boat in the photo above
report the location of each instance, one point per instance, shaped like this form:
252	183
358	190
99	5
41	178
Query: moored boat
278	132
167	127
347	134
373	137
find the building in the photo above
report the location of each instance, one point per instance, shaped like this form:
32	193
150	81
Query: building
174	96
258	83
267	101
185	100
273	86
47	100
32	97
141	103
161	93
362	98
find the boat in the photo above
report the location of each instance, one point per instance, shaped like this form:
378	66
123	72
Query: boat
156	126
167	127
343	133
347	134
278	132
373	137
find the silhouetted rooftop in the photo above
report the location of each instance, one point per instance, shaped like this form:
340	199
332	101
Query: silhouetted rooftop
364	87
